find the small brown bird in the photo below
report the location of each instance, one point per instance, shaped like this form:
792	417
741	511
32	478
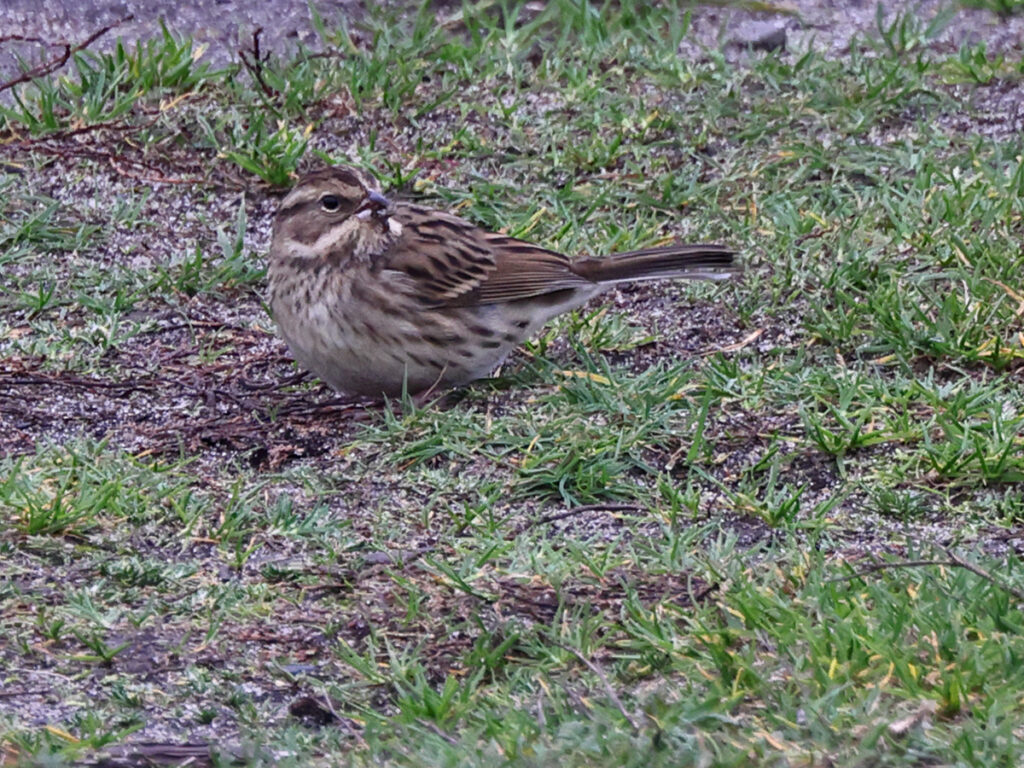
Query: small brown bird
374	296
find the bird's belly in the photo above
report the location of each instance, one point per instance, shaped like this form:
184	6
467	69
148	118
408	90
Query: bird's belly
362	349
368	334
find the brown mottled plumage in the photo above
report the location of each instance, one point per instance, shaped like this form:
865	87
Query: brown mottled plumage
373	295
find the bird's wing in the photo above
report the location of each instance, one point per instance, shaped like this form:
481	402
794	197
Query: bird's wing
451	262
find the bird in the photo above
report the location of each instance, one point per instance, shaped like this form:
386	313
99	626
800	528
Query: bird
380	297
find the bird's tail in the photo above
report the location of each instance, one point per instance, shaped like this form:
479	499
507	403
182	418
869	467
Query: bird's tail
692	262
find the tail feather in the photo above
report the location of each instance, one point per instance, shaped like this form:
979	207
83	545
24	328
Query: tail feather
693	262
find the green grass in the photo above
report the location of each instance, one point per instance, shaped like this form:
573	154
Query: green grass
771	522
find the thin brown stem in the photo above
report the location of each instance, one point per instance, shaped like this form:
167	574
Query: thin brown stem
604	681
954	561
60	59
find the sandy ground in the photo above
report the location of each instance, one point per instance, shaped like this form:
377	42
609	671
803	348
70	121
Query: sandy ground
225	25
34	31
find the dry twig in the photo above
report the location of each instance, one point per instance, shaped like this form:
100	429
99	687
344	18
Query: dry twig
604	681
253	60
57	61
954	561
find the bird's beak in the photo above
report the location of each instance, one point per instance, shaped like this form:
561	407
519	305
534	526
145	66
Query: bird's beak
375	203
379	200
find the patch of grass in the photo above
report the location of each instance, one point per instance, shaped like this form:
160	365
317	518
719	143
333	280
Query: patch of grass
1001	7
68	491
199	271
105	87
766	663
271	152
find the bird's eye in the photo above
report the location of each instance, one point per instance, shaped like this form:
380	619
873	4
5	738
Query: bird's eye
330	203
